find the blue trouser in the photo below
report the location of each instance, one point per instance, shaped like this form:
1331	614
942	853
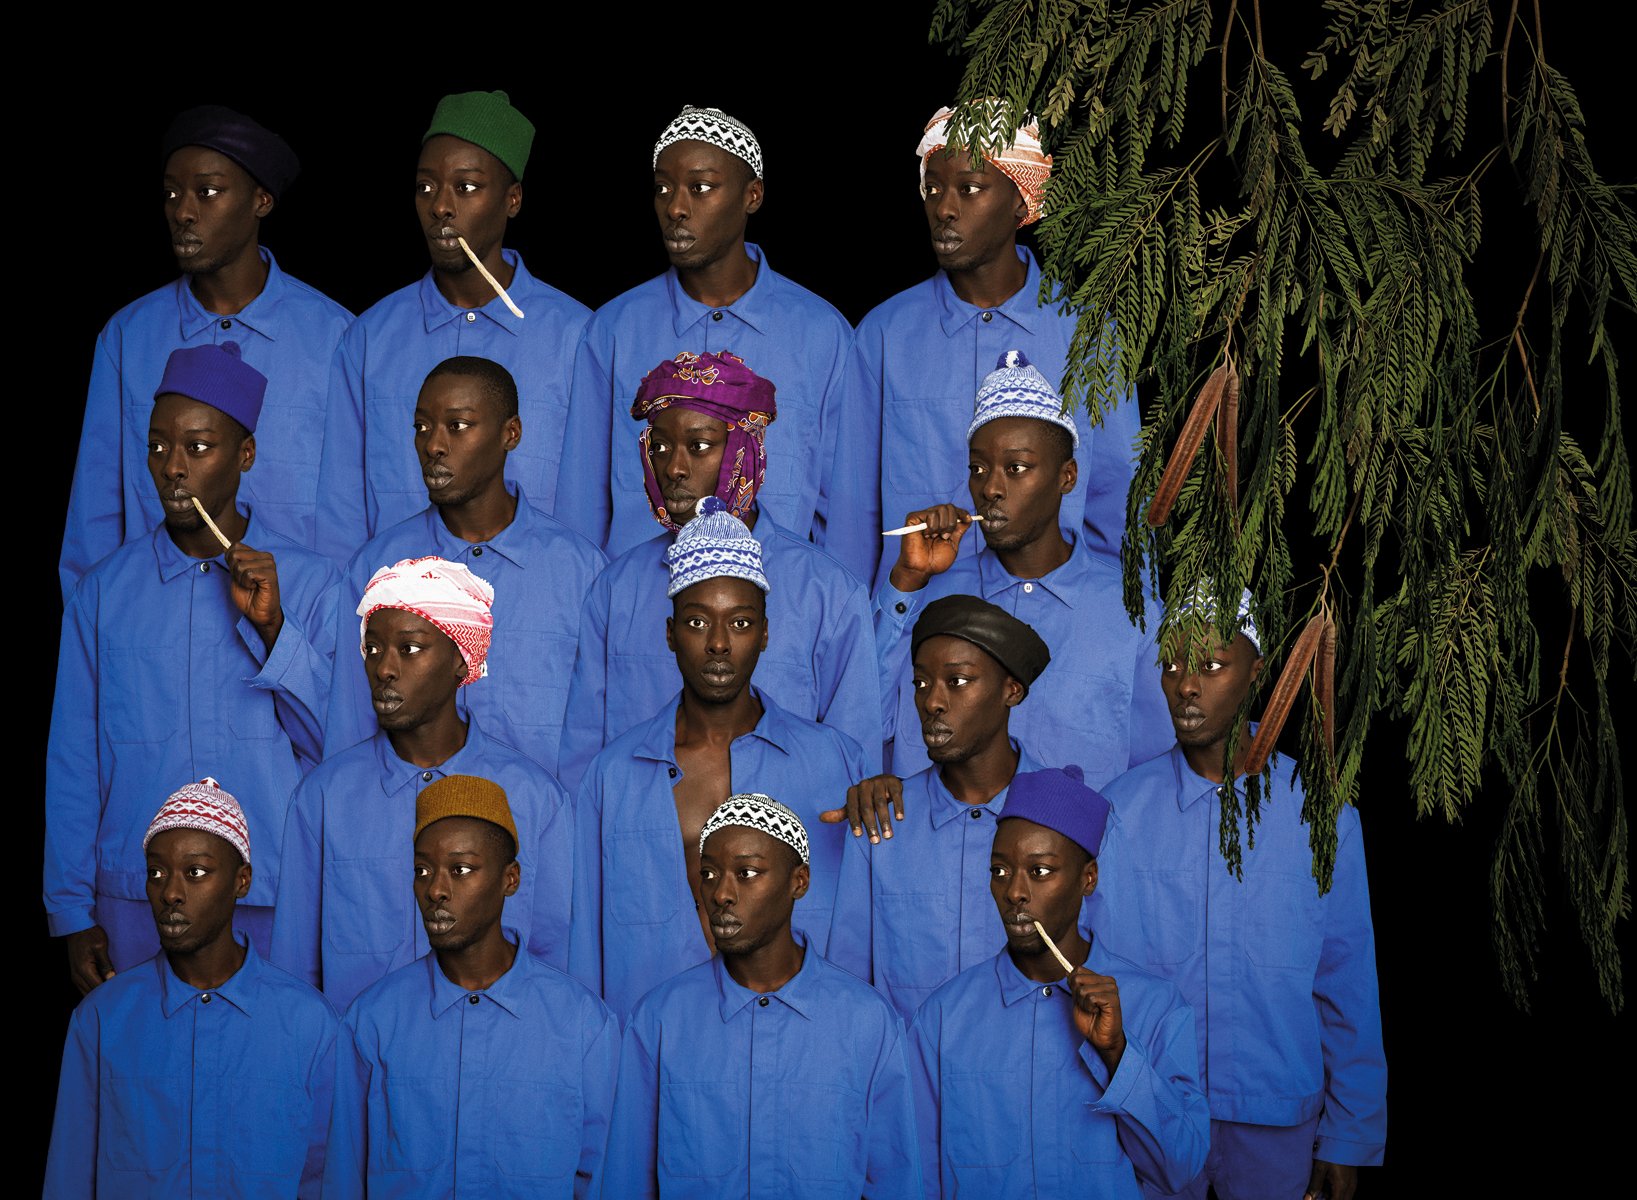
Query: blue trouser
1253	1162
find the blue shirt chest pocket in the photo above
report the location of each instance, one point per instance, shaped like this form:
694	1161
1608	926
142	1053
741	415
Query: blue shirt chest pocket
1168	907
141	1122
272	1119
924	446
411	1127
913	951
390	464
828	1148
367	905
640	875
539	1125
126	677
1283	927
701	1130
979	1150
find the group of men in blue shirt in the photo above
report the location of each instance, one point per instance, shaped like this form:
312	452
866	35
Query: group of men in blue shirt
571	725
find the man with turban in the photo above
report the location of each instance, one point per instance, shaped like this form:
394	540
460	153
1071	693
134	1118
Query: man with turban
181	656
478	1070
638	914
1282	979
705	417
1055	1068
918	357
466	426
718	295
205	1070
345	917
1097	704
765	1071
913	904
223	174
468	185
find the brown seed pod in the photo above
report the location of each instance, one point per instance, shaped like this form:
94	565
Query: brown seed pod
1324	681
1227	438
1182	455
1284	696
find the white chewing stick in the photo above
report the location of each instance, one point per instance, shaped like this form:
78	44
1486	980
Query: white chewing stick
214	528
1068	967
493	282
918	527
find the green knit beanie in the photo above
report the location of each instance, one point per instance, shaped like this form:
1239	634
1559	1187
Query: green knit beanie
486	119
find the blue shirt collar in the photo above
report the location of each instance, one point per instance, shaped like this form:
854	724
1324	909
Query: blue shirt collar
172	562
945	808
439	312
1063	584
1015	985
754	308
237	991
1193	787
796	995
258	315
513	543
658	742
510	991
1022	308
397	774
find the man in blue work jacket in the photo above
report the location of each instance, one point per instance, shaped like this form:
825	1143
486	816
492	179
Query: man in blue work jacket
344	918
919	356
638	915
200	648
705	417
1056	1068
466	426
478	1070
1098	704
765	1071
719	294
224	174
468	187
1282	979
205	1071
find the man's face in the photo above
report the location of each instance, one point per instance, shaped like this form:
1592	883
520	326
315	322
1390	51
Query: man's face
213	208
703	197
717	630
195	450
414	669
750	882
462	880
194	878
461	439
1205	694
962	696
462	190
1037	874
973	211
1018	478
686	448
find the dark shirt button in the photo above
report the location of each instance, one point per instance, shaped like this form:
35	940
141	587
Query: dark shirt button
716	316
1046	991
472	1000
427	775
478	553
901	606
762	1002
987	317
673	772
976	813
226	324
204	568
205	999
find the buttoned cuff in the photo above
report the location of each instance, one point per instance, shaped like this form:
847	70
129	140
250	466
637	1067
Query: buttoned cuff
274	662
1116	1089
1348	1154
69	920
900	608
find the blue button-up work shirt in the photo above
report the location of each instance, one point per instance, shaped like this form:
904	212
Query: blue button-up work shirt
819	662
783	332
289	333
1281	979
168	1090
162	681
1011	1101
539	569
1098	704
369	478
634	918
915	910
346	910
912	383
505	1091
802	1092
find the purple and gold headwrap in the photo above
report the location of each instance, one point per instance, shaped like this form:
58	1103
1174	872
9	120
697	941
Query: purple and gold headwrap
721	386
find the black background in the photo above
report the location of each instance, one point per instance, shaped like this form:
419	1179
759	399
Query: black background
1481	1097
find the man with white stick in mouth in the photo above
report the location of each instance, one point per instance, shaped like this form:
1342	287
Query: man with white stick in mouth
477	300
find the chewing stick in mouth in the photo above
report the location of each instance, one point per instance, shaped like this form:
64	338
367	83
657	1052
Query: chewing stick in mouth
214	528
918	527
1068	967
493	282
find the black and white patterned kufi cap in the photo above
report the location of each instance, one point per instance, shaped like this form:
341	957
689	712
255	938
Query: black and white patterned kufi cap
756	811
715	127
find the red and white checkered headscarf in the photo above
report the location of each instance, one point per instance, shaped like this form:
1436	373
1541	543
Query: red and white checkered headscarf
444	593
203	805
1023	161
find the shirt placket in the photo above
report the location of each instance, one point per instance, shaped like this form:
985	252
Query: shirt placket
1221	931
205	662
766	1174
976	927
209	1179
475	1131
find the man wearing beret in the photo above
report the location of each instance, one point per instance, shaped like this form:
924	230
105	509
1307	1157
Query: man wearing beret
468	185
424	627
205	1071
1055	1068
478	1070
705	418
223	174
719	294
918	356
913	906
1098	703
199	648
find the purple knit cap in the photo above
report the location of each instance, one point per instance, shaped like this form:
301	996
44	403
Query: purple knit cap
1059	800
260	151
217	376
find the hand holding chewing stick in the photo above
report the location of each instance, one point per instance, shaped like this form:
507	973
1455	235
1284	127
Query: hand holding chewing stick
255	582
931	551
871	806
1096	1006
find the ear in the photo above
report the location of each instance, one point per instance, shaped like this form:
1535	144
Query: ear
1089	880
1020	210
247	453
670	634
800	878
514	199
1070	476
755	193
241	882
264	202
513	433
512	878
763	646
1012	691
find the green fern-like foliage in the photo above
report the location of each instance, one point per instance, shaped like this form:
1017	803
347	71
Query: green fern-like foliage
1332	257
